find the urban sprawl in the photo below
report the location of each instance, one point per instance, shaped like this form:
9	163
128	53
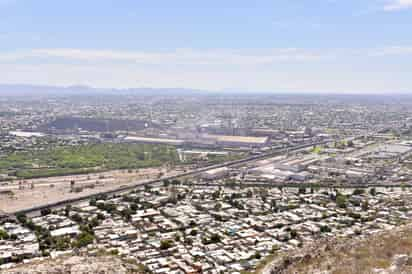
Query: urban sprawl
198	183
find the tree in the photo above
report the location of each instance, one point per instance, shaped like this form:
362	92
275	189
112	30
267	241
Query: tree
325	229
100	216
4	235
365	205
67	210
249	194
77	218
274	249
166	183
22	218
13	237
134	207
341	201
218	206
94	222
215	238
84	239
358	191
257	255
216	195
293	234
403	187
188	241
147	188
273	205
192	223
45	211
126	214
114	252
263	192
72	183
166	244
92	202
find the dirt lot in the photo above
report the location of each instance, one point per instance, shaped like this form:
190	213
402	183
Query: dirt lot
23	194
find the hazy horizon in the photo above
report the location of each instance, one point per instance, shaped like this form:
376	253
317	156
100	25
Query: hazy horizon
44	88
325	46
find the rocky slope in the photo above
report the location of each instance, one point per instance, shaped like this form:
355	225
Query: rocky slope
387	252
76	265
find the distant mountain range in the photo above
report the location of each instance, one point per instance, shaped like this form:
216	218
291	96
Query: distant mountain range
37	90
33	90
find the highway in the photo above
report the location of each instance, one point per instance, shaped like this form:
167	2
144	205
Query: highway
124	189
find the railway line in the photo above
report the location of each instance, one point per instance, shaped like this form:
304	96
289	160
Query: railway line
124	189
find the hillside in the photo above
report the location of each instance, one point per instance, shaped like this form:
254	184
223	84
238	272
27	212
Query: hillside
77	265
387	252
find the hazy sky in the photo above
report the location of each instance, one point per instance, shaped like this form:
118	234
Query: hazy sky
290	45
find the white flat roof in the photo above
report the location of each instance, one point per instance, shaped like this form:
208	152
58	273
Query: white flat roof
240	139
154	140
26	134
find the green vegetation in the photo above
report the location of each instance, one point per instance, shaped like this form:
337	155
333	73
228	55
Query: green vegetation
84	239
166	244
4	235
214	239
317	150
217	159
325	229
358	191
341	201
87	158
257	256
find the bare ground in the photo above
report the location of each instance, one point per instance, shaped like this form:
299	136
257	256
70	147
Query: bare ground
20	195
76	265
386	252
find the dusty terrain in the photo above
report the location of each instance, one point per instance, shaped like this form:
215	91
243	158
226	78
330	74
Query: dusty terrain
23	194
76	265
386	252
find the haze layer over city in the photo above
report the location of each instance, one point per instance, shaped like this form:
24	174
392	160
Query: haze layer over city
180	137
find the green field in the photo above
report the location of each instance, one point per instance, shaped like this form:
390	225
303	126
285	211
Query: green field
86	158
